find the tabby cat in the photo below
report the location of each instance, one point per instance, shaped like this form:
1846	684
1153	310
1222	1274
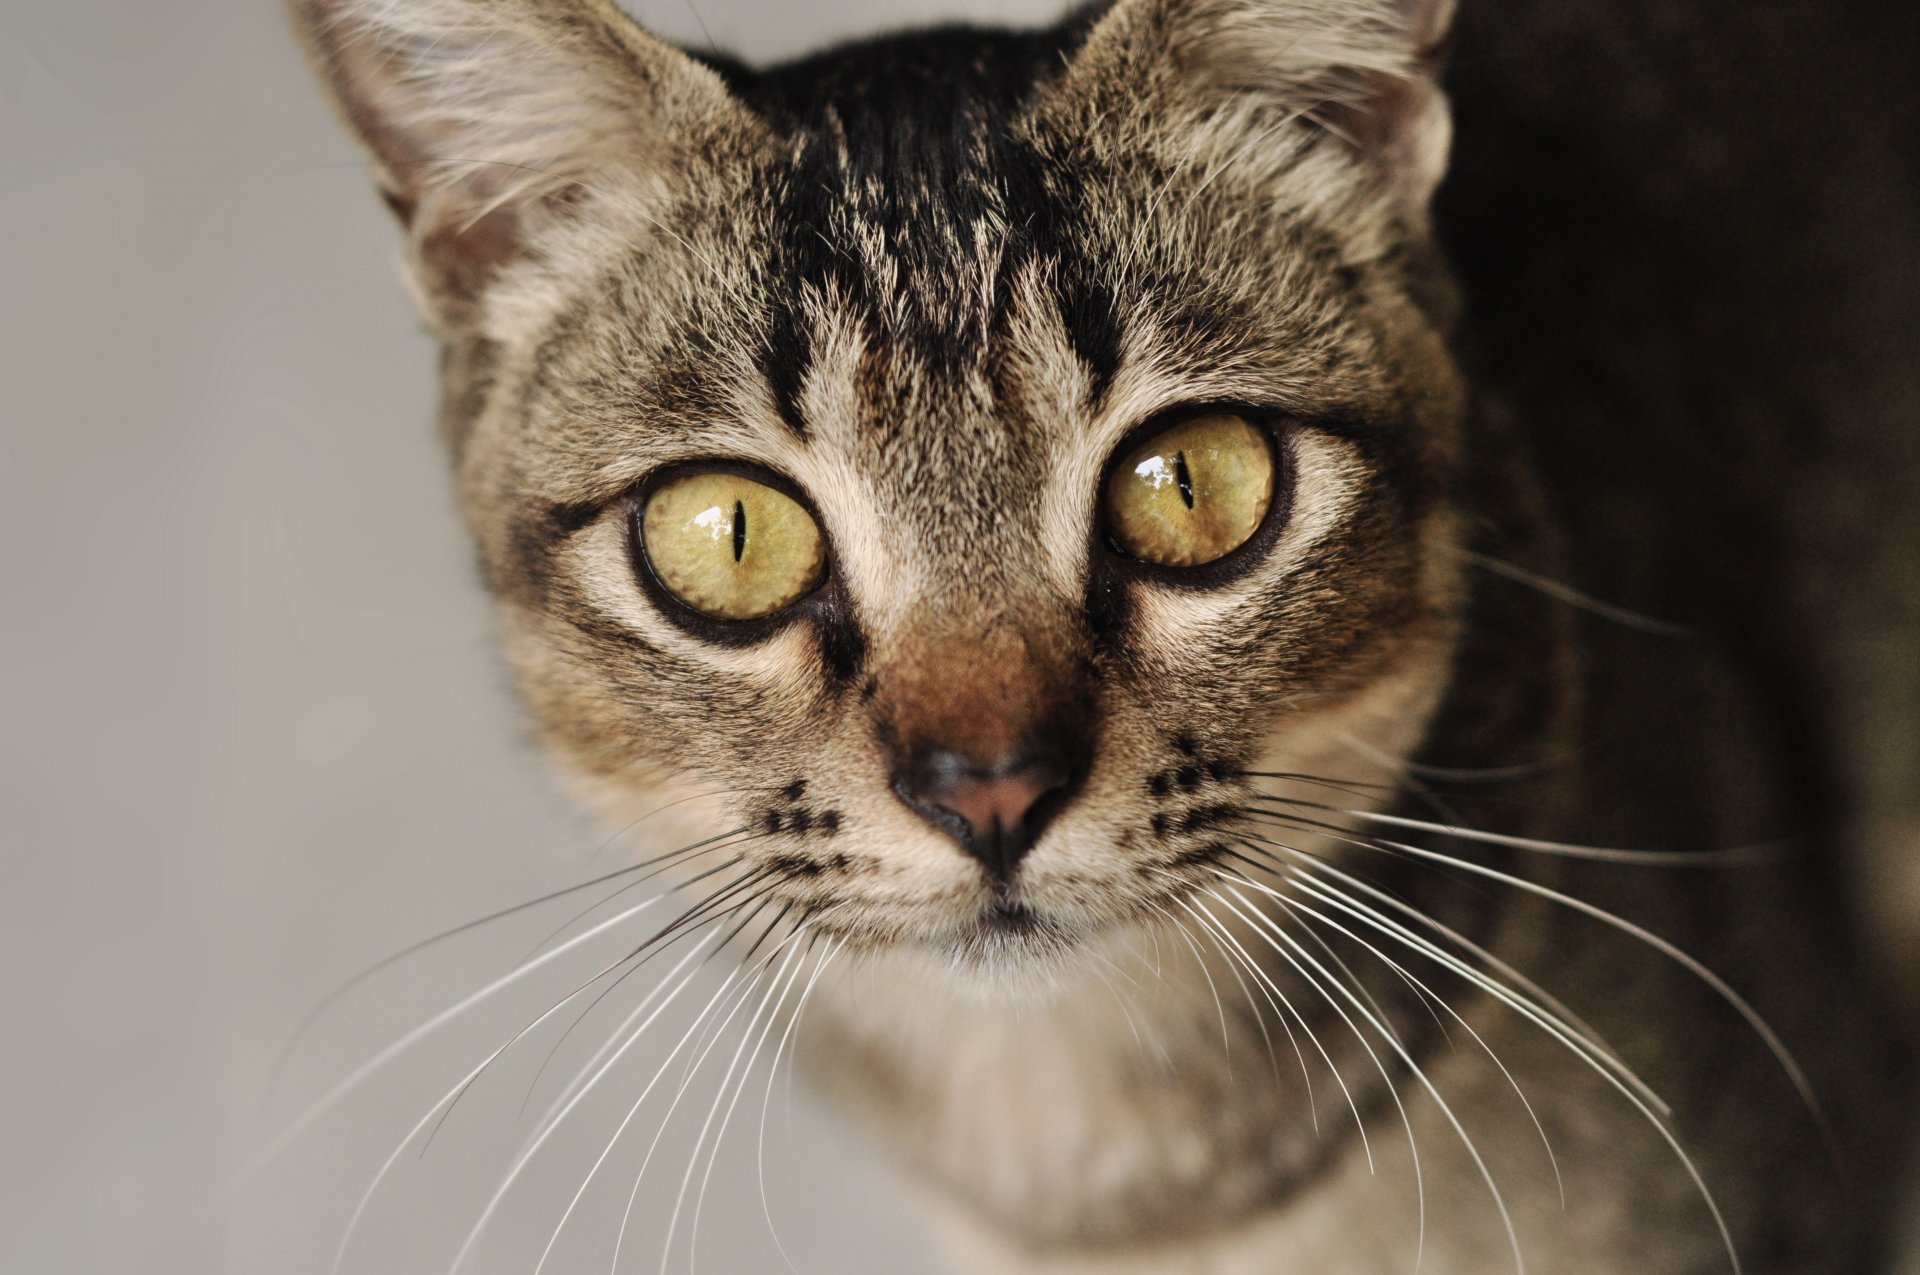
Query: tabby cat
1089	573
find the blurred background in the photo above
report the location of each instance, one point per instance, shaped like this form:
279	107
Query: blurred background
257	733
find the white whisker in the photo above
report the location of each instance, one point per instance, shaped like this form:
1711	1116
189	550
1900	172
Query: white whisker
770	1011
547	1127
1782	1055
686	1081
1517	982
1359	1124
1538	1015
446	1100
1660	1126
1226	1040
659	862
360	1075
1673	952
1126	1011
1738	855
1270	991
1270	930
766	1099
1575	598
1300	908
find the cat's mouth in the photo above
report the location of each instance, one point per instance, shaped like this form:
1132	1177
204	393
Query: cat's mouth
1005	931
1012	920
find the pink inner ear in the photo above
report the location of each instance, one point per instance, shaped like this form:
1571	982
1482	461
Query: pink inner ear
482	114
464	253
436	198
1397	126
1427	22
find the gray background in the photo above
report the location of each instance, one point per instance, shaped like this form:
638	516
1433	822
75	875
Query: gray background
257	735
256	731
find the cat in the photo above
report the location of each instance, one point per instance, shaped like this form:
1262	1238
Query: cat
1087	570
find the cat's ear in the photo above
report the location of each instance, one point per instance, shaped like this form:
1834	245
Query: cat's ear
1361	73
484	117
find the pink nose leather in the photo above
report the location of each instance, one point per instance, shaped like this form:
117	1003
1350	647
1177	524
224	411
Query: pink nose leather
997	806
995	810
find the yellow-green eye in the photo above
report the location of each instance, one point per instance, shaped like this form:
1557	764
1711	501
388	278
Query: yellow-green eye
1192	493
731	547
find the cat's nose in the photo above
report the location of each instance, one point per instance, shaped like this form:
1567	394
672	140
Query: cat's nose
997	809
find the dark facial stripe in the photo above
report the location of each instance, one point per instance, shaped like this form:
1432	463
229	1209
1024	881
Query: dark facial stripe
843	646
785	361
913	140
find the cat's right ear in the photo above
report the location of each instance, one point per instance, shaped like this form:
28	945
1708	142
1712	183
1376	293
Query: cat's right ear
486	118
1265	81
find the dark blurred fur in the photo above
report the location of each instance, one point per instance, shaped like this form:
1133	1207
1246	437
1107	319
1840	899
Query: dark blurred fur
1692	237
933	280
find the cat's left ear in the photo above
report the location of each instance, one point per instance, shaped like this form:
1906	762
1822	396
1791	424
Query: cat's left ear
1397	117
487	119
1361	76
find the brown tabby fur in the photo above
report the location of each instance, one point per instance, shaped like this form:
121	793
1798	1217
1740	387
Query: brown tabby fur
934	283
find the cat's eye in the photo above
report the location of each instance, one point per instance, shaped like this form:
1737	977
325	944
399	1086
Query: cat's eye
731	547
1193	492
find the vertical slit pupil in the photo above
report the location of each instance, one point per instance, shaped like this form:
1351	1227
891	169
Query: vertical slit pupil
1184	477
740	529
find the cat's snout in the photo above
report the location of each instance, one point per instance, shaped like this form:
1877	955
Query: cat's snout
996	809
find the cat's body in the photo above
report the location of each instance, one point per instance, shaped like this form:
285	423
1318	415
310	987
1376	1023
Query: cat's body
933	285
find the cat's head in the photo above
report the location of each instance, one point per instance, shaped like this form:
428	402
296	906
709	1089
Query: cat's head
968	456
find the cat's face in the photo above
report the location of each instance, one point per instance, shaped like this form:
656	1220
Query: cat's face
823	431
